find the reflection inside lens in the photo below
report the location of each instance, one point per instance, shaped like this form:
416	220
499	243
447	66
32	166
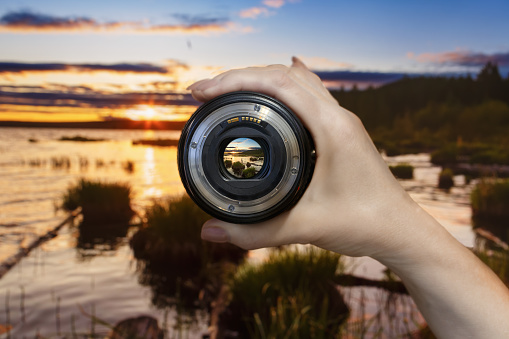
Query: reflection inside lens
243	158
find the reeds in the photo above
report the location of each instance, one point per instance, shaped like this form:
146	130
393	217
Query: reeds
180	268
490	199
172	231
446	179
101	203
79	138
402	171
156	142
291	295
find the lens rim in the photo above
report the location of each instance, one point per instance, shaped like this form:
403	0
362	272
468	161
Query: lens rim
303	139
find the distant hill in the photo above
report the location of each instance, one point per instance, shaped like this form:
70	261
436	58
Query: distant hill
114	124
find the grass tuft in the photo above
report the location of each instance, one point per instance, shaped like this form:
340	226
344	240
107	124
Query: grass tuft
291	295
490	199
446	179
100	202
402	171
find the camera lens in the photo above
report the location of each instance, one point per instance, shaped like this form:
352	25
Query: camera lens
244	157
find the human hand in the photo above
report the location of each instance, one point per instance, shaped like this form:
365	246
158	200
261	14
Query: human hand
353	205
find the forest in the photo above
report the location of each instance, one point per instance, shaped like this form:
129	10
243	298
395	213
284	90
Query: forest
460	116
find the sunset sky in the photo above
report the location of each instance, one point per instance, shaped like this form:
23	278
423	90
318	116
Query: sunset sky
93	60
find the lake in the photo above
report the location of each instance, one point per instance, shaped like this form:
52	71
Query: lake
61	286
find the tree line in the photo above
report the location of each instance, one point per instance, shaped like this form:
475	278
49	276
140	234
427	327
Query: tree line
424	113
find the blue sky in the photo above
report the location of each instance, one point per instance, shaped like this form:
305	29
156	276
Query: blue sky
197	38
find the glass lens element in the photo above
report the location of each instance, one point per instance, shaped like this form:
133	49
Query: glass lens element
243	158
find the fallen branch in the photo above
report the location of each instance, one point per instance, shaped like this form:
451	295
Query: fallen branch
349	280
24	251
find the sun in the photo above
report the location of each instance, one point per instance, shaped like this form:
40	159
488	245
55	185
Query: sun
141	112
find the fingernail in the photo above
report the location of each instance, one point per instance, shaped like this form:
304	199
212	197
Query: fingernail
214	234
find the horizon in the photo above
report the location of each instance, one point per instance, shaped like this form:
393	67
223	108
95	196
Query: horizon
67	62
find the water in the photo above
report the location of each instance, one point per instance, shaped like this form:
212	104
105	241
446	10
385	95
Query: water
32	182
60	286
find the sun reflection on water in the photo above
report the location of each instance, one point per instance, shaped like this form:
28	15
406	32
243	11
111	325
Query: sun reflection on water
150	174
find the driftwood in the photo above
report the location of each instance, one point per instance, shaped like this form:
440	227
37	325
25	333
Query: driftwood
353	281
24	251
490	236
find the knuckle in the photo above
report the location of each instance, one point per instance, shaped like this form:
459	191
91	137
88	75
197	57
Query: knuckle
281	78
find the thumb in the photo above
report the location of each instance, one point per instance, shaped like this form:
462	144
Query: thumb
248	236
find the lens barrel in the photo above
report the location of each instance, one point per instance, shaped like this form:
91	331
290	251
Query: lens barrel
245	157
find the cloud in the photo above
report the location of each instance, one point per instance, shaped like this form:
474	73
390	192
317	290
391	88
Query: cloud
199	19
26	21
462	58
265	9
346	79
254	12
16	67
274	3
321	63
86	97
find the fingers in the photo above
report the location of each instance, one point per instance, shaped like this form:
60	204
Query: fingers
273	232
296	62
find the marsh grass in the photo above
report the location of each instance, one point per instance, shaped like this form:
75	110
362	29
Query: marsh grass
446	179
180	268
156	142
79	138
101	203
173	228
402	171
291	295
490	200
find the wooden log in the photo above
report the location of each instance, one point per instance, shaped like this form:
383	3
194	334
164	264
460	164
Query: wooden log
24	251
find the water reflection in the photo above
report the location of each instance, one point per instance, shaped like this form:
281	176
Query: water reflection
94	240
181	269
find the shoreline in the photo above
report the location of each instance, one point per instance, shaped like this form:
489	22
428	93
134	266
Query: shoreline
113	124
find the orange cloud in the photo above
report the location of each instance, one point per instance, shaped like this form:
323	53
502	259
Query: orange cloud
321	63
274	3
28	22
254	12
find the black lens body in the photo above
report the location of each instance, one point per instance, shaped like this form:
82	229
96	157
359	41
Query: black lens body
242	129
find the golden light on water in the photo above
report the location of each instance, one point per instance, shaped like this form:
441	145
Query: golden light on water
150	175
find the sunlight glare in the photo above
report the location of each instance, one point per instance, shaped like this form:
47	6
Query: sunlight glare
141	112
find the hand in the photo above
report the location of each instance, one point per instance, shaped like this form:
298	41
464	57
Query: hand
352	200
354	206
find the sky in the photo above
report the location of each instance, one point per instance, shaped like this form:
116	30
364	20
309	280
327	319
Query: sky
72	60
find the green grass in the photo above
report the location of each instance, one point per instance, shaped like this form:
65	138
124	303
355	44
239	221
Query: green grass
101	203
490	199
174	261
402	171
471	153
291	295
249	172
173	230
